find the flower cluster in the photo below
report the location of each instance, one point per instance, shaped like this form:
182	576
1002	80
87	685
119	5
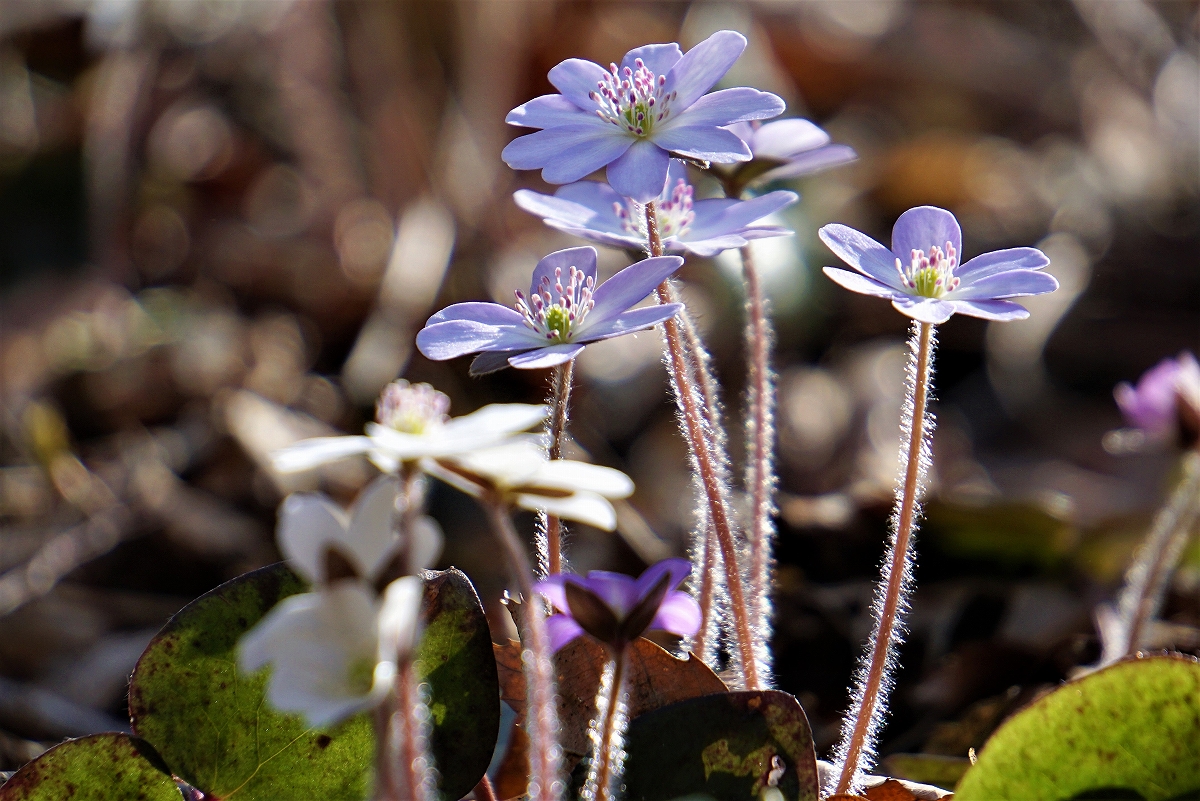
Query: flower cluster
1166	399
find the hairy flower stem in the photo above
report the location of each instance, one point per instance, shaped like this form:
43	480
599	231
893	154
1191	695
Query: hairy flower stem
560	396
860	730
608	732
545	754
404	768
760	464
1147	579
700	442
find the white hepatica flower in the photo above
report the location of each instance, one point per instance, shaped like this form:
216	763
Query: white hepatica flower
523	476
314	532
411	424
334	652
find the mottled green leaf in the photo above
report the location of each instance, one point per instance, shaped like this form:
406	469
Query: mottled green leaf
1131	730
213	725
721	746
102	767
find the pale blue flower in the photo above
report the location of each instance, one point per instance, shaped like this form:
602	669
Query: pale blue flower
629	118
921	274
564	310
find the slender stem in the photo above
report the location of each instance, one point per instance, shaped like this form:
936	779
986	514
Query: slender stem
1146	582
484	790
387	781
559	401
895	572
413	720
706	383
610	722
700	643
700	446
545	754
760	467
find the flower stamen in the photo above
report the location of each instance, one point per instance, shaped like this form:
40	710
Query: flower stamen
555	311
412	408
633	99
676	212
930	276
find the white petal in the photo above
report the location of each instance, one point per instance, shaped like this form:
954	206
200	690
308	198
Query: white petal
571	475
318	644
450	477
308	523
512	463
583	507
371	535
426	546
398	619
496	421
310	453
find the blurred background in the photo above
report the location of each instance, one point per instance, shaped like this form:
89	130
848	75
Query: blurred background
222	222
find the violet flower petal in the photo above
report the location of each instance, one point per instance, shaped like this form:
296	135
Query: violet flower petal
582	258
554	207
562	629
630	321
552	588
678	614
480	312
549	111
595	195
703	66
454	338
1011	284
641	171
782	140
856	282
999	261
567	152
551	356
705	143
813	161
576	79
999	310
727	107
718	217
628	287
922	228
679	569
601	237
925	310
862	253
706	248
659	58
618	591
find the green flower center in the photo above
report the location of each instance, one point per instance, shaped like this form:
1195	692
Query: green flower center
930	276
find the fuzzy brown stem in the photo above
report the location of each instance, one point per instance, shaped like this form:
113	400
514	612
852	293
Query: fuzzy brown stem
760	470
559	401
387	777
545	781
415	759
718	512
604	769
882	644
705	599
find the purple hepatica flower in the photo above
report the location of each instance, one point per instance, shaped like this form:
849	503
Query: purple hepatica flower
629	118
921	274
796	147
1166	398
563	310
616	609
595	211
